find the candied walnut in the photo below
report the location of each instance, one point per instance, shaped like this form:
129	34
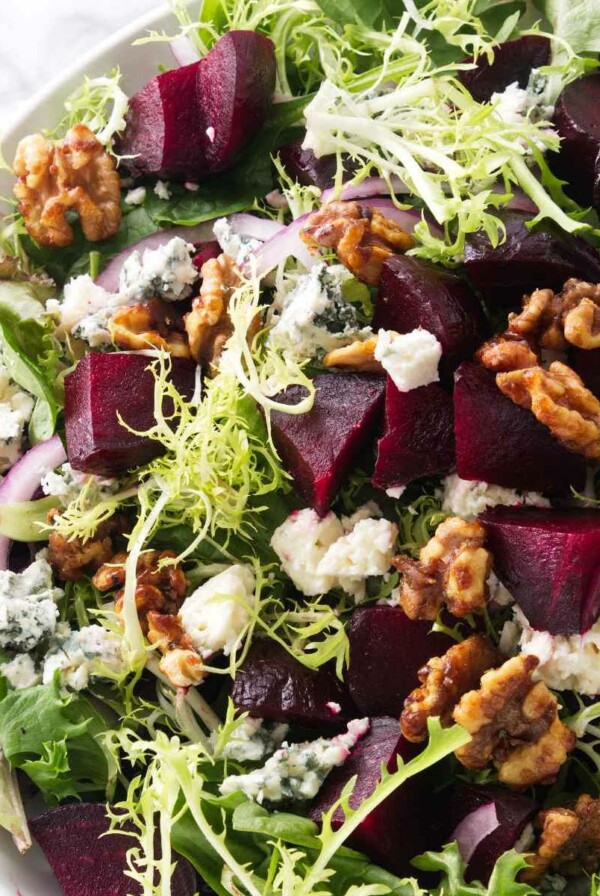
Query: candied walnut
444	679
569	841
453	568
72	559
558	826
553	320
149	324
507	352
356	356
180	663
362	238
514	723
74	173
582	325
540	319
560	401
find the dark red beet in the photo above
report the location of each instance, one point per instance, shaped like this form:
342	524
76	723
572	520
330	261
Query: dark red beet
586	362
401	827
319	448
102	386
194	120
513	810
526	260
387	649
550	561
307	169
498	441
273	685
576	120
419	435
513	61
86	863
415	293
204	252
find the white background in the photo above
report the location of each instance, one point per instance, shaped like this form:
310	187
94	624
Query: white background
38	38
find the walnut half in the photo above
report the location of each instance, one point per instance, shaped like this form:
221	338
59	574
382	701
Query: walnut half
569	841
149	324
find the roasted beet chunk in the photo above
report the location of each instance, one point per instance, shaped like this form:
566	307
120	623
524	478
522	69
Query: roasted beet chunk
195	120
319	448
273	685
498	441
104	386
513	61
527	259
419	435
505	812
88	862
400	828
387	649
550	561
303	165
204	252
586	362
576	120
415	293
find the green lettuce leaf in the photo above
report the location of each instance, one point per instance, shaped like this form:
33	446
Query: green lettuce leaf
449	862
575	21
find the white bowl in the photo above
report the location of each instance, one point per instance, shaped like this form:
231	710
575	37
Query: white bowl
29	875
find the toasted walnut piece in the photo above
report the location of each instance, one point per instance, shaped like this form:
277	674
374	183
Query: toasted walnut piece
540	319
515	724
443	682
582	325
453	568
569	841
507	352
180	662
361	237
73	559
558	827
356	356
74	173
149	324
560	401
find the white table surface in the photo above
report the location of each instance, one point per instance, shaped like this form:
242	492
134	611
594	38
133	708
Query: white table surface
38	38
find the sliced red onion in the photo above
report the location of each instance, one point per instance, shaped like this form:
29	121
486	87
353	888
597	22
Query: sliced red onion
252	226
407	218
284	244
184	51
23	480
370	186
474	828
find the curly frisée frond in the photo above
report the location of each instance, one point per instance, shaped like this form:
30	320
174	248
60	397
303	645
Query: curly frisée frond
98	103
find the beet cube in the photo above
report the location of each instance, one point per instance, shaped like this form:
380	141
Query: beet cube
204	252
102	386
497	441
89	862
387	649
550	562
303	165
272	685
415	293
576	120
513	61
586	362
320	448
544	256
419	435
400	828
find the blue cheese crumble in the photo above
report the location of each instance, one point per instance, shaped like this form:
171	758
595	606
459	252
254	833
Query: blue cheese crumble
297	771
21	672
236	245
468	498
67	485
411	359
28	610
250	741
77	655
217	612
16	407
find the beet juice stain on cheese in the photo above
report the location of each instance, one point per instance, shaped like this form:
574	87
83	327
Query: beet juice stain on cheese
299	435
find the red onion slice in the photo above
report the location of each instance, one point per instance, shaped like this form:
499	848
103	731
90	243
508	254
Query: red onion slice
183	50
23	480
252	226
474	828
370	186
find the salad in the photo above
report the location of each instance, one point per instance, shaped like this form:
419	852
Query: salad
299	438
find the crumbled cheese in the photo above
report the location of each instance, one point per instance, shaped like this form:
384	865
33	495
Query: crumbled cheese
301	542
515	105
66	484
396	491
411	359
136	196
297	771
251	741
365	551
313	317
92	651
166	272
162	189
217	612
468	499
20	672
82	298
333	707
16	407
364	512
499	594
237	246
28	608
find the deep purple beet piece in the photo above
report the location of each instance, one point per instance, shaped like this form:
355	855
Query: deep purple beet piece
400	828
102	386
387	649
550	561
586	362
204	252
86	863
320	448
415	293
307	169
576	120
526	260
497	441
271	684
513	61
513	811
418	439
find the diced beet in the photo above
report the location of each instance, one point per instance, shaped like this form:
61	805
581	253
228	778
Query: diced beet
204	252
576	121
307	169
586	362
550	562
319	448
400	828
102	386
89	862
387	649
419	435
415	293
498	441
194	120
513	61
271	684
513	812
